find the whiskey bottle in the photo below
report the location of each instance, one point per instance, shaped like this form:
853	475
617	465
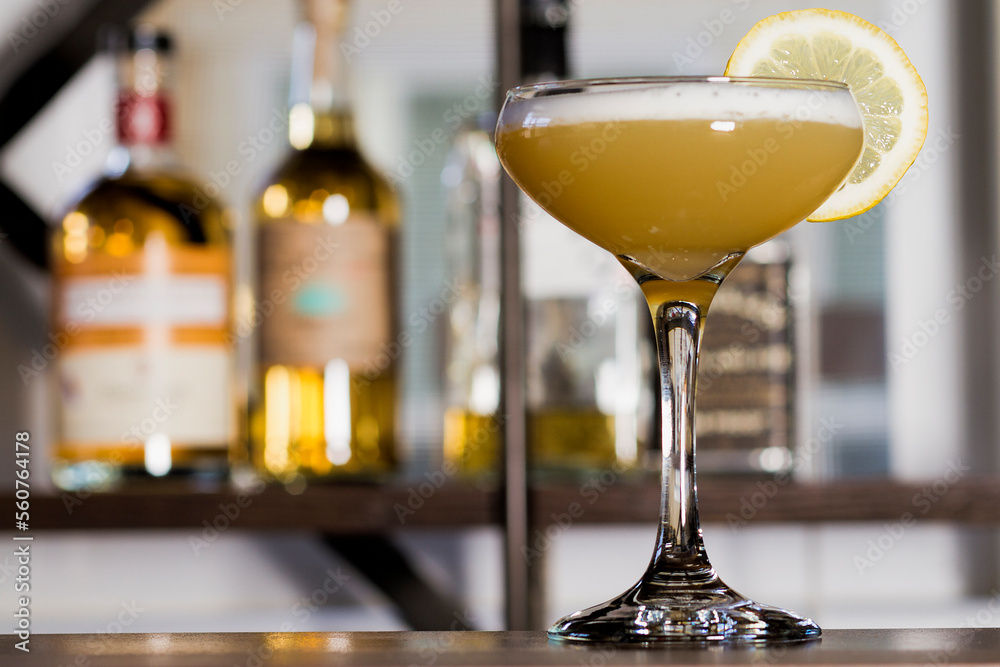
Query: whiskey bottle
326	236
141	302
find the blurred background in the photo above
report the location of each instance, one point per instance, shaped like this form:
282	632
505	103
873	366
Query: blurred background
895	377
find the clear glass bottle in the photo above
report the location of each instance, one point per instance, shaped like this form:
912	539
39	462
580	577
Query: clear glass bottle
746	386
584	367
585	387
326	289
141	302
472	370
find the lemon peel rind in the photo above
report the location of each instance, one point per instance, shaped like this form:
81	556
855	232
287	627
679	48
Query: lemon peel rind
756	47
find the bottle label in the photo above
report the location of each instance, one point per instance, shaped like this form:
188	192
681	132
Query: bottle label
324	292
138	300
124	394
143	119
144	347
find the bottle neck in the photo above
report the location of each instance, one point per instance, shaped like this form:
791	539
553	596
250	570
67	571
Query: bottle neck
143	110
543	40
321	114
310	127
334	129
145	132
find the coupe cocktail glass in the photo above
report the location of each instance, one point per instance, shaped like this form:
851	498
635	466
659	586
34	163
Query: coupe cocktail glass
678	178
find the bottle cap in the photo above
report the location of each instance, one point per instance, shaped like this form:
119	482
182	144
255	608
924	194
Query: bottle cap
328	16
146	36
543	39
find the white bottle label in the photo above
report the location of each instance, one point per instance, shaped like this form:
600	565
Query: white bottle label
145	347
123	395
123	300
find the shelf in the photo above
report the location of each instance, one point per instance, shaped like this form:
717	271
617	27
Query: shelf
342	508
725	499
372	509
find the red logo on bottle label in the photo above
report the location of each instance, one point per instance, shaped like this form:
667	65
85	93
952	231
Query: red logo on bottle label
143	119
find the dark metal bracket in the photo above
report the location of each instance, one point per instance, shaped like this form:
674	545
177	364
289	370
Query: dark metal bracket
379	560
47	49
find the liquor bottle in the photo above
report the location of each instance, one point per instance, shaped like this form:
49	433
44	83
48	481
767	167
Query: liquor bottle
584	383
326	235
471	179
582	312
746	396
141	302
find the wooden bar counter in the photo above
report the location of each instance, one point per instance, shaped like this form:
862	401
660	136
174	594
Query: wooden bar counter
979	646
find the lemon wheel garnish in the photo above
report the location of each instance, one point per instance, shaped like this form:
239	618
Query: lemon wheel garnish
837	46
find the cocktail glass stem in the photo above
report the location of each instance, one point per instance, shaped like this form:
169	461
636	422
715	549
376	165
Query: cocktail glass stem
680	598
678	336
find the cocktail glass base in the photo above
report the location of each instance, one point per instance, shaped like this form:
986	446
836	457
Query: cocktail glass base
699	610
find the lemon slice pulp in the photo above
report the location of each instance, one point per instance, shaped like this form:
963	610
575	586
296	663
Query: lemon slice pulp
836	46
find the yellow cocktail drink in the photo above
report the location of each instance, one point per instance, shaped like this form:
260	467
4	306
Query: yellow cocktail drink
679	177
676	188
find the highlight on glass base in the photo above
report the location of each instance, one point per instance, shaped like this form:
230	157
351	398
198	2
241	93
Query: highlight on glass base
684	603
678	177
